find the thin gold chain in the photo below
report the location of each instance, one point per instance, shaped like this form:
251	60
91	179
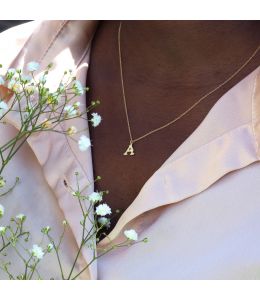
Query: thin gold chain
184	113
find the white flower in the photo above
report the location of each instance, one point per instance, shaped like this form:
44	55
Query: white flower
78	87
2	210
84	143
70	110
131	234
104	221
37	252
103	209
95	197
26	78
2	82
96	119
3	108
33	66
2	230
21	217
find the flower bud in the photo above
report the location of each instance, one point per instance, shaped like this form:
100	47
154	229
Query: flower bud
46	230
21	217
2	230
49	247
46	124
71	130
2	210
2	182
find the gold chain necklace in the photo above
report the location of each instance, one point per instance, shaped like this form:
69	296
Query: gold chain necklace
130	149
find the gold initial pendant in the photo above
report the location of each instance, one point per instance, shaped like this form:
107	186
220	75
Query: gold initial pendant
130	150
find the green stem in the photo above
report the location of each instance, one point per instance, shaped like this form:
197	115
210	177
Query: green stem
79	250
8	244
57	254
10	190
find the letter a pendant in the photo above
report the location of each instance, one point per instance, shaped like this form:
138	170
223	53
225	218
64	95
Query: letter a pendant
130	150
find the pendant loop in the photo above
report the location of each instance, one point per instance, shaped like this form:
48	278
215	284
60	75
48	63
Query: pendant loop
129	150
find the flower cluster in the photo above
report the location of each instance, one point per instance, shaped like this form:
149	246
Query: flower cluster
42	108
102	211
60	100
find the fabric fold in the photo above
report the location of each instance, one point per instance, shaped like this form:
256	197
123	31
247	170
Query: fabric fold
191	173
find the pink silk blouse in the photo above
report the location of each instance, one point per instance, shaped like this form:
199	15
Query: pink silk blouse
200	210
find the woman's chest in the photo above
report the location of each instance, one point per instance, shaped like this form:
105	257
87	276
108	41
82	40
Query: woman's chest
124	175
150	105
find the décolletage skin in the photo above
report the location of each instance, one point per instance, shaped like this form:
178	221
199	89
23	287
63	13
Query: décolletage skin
167	67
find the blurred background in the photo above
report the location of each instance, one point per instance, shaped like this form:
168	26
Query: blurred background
5	24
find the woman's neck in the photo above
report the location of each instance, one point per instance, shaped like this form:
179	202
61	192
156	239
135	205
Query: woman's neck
194	51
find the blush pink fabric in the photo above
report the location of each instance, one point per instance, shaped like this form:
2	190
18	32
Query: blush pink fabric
200	210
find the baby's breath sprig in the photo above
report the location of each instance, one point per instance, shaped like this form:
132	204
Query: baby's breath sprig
99	220
40	108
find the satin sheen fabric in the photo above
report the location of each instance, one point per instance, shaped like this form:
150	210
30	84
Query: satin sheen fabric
200	210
